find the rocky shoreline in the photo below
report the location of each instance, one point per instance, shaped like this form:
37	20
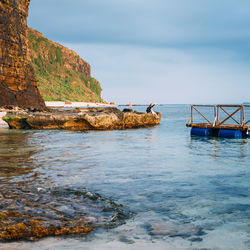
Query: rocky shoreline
108	118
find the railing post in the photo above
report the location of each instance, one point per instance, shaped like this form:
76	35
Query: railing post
218	117
243	115
192	114
215	116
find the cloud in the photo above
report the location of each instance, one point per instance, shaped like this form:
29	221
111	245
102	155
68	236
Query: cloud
161	23
156	50
142	75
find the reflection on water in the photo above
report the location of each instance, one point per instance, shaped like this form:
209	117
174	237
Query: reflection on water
30	210
172	190
219	147
15	155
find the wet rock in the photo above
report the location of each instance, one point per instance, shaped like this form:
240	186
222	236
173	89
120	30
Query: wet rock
81	119
125	239
127	110
32	215
33	230
172	229
91	219
195	239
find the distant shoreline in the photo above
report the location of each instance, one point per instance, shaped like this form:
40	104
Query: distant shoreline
60	104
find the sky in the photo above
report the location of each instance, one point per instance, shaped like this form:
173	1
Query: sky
161	51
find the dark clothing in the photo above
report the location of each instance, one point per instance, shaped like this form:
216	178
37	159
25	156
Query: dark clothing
149	108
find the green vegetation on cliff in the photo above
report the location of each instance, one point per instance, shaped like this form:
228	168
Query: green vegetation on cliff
62	74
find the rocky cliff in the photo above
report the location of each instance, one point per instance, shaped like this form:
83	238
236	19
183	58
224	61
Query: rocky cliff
18	82
62	74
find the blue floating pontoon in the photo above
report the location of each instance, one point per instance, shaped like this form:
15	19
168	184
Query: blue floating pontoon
201	131
230	133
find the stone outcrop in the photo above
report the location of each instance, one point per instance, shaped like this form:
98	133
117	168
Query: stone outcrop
18	83
81	119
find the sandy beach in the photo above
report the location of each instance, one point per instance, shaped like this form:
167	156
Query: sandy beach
76	104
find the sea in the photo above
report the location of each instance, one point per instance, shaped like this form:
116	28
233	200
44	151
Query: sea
148	188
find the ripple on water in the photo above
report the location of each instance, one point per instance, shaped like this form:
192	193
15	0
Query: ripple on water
185	192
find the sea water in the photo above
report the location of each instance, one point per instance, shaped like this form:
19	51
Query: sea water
165	189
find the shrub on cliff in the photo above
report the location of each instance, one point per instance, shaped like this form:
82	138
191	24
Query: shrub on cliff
62	74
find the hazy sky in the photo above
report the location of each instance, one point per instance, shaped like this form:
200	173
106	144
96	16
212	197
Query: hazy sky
163	51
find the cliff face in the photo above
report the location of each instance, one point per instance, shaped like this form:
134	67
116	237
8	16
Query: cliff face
62	74
18	82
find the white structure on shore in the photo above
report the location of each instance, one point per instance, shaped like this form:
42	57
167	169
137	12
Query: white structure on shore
3	124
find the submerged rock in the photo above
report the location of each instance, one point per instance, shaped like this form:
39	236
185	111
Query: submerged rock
172	229
81	119
26	213
31	230
175	229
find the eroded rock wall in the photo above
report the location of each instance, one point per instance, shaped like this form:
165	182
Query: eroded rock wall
18	82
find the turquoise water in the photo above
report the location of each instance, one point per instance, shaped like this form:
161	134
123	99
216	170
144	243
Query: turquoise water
164	188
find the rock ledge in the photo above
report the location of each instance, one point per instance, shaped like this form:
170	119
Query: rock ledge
80	119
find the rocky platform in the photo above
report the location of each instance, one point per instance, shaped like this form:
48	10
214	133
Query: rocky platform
81	119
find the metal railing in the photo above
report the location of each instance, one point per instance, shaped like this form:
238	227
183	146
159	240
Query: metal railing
241	121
